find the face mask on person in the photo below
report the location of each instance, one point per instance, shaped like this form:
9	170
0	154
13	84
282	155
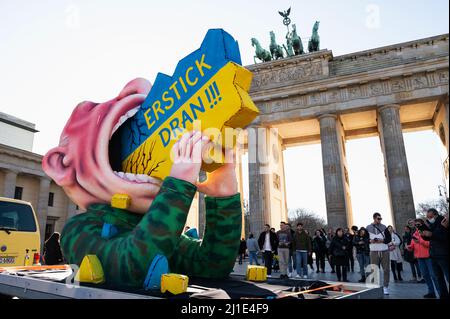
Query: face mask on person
431	220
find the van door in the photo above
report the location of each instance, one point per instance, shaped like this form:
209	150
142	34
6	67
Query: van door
19	234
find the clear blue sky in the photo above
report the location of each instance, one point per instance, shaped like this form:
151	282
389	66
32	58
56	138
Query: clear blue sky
54	54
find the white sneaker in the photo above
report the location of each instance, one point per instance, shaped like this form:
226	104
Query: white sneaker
269	276
385	290
289	274
305	277
297	276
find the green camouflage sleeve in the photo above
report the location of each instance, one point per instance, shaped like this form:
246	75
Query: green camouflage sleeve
127	256
215	255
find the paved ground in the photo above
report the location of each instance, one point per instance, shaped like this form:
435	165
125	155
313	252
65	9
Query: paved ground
404	290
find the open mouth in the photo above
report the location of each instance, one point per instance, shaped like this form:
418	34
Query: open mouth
115	147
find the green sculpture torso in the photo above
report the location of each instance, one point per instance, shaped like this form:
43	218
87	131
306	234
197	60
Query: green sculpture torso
128	254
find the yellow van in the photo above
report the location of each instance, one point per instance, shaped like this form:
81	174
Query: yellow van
19	233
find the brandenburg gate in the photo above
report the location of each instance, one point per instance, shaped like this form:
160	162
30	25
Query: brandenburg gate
320	98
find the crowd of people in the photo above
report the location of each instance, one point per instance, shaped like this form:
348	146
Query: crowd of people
424	245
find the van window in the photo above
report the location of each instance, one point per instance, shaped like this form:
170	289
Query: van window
17	217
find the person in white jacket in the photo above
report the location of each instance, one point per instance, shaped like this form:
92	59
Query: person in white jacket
395	255
379	250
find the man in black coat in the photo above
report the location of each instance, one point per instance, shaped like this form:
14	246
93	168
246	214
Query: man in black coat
268	243
437	234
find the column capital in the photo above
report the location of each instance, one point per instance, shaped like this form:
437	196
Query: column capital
388	106
10	171
44	179
259	125
323	116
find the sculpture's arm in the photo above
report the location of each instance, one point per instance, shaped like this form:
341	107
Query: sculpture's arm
215	255
126	258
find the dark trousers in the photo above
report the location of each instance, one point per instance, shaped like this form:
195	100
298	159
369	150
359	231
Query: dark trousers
241	257
320	260
440	269
396	267
341	272
351	259
415	268
310	261
268	260
331	261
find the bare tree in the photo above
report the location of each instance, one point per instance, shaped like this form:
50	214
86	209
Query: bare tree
440	204
311	220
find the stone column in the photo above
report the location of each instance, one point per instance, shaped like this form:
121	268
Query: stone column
258	182
267	198
335	174
441	122
9	183
396	165
201	208
42	206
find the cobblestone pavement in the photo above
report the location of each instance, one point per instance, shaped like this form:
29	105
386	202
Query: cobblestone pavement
401	290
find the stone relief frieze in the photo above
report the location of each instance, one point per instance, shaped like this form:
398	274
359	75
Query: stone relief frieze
301	72
400	85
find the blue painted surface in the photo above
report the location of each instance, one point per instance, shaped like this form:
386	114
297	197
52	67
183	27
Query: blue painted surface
158	267
218	48
109	231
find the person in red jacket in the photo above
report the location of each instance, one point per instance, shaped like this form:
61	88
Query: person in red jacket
421	249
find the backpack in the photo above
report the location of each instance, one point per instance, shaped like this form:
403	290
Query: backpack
386	235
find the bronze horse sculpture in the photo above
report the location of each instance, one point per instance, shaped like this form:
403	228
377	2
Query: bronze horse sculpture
260	53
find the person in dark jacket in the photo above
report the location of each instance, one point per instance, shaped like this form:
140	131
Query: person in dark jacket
339	250
361	243
302	247
330	236
310	257
437	234
268	243
52	250
319	248
242	249
291	265
409	255
348	234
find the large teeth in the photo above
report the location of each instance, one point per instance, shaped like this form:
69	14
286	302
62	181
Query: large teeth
139	178
125	117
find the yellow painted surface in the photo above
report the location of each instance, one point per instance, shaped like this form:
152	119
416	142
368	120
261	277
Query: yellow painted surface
174	283
18	242
256	273
234	109
122	201
90	270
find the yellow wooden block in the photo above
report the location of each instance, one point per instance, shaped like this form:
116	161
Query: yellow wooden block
174	283
90	270
122	201
256	273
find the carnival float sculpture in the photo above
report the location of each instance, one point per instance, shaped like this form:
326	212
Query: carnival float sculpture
130	163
